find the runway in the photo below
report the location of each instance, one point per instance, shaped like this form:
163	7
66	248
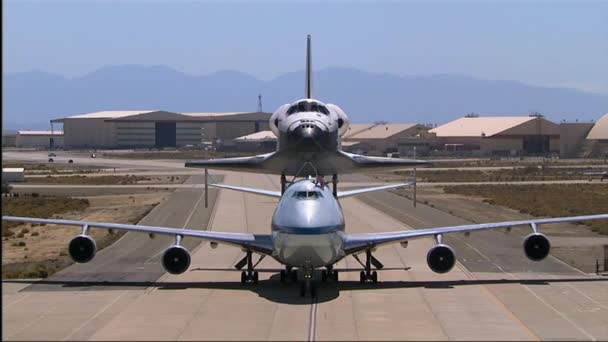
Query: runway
494	293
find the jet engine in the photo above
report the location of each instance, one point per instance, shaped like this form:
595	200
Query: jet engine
536	246
441	258
176	259
82	248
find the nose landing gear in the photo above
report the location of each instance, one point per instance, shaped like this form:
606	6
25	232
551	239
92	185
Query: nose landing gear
308	286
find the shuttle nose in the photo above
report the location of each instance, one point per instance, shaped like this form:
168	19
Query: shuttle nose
308	133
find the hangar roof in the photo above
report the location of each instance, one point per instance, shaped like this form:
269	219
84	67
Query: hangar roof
380	131
215	114
127	115
40	133
113	114
476	126
257	136
600	129
355	128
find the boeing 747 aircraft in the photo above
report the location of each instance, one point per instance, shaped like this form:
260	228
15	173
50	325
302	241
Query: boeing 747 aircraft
308	232
308	133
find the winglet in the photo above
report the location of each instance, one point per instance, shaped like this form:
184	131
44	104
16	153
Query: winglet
308	89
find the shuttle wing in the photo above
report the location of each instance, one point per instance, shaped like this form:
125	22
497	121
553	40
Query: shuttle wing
257	163
358	242
302	164
260	243
359	162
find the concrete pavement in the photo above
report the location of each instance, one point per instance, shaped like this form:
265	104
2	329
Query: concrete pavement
483	303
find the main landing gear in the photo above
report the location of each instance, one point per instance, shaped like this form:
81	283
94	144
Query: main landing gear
249	276
329	274
367	275
288	274
283	184
334	181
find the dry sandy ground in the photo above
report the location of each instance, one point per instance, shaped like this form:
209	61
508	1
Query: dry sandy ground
54	239
98	178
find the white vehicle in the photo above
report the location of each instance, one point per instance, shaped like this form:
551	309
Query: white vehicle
308	133
308	232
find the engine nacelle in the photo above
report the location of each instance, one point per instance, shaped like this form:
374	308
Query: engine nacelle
441	258
82	248
176	259
536	246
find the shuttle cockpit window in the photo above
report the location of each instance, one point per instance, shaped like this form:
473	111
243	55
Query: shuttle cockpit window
307	195
305	106
302	107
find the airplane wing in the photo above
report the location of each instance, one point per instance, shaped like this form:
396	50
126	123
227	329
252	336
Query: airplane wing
269	193
347	193
260	243
358	242
341	194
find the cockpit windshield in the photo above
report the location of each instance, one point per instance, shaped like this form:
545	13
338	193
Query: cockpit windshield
307	194
306	106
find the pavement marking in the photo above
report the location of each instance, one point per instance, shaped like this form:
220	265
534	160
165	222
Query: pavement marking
562	315
424	223
94	316
4	307
475	249
184	225
34	321
312	323
580	292
583	331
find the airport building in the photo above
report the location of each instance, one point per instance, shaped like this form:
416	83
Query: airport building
383	139
39	139
509	136
263	141
157	128
9	138
596	143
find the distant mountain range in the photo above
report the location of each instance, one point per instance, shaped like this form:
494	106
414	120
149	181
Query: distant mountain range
32	98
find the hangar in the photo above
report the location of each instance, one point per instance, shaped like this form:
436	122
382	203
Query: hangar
263	141
597	139
505	135
157	128
381	138
39	139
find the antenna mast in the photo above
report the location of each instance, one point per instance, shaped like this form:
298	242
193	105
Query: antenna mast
260	103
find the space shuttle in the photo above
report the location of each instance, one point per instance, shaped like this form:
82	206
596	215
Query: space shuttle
309	136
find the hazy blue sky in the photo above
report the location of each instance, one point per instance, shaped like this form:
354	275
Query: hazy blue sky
544	43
